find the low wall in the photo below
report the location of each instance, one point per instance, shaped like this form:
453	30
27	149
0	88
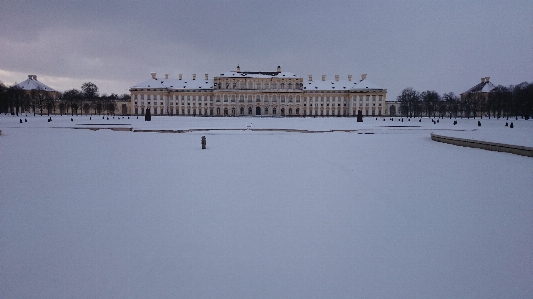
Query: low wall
490	146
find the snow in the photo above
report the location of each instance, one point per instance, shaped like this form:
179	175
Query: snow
340	85
488	87
33	84
262	214
176	84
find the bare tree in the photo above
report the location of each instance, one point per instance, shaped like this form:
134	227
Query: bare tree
409	102
430	99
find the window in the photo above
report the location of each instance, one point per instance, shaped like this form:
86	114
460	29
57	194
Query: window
290	86
282	85
225	98
258	86
233	98
241	99
273	111
274	86
250	85
249	98
283	99
234	85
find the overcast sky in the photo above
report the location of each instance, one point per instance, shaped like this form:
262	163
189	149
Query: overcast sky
445	46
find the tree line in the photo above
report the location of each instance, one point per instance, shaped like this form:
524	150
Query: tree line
502	101
87	100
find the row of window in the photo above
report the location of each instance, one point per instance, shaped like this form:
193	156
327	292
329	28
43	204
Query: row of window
259	86
267	97
258	111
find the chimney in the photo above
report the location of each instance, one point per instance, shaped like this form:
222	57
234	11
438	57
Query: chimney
206	77
35	77
279	69
323	77
194	76
310	77
483	80
337	78
166	76
153	75
487	79
180	76
349	77
363	77
30	77
238	69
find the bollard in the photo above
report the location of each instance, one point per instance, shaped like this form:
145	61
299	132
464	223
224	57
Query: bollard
204	143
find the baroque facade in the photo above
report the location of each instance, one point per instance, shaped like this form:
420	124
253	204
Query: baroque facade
238	93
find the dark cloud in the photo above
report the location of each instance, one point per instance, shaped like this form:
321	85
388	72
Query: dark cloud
424	44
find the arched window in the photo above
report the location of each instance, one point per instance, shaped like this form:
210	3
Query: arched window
225	98
283	99
241	99
282	85
290	86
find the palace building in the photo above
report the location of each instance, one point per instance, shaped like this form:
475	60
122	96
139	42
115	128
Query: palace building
238	93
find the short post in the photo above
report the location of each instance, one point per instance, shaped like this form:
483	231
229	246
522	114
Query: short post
204	143
148	115
359	116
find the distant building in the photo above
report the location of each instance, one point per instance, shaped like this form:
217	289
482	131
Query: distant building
237	93
32	84
482	88
478	96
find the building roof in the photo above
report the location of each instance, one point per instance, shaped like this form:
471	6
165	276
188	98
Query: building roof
484	86
183	84
262	75
340	85
33	84
175	84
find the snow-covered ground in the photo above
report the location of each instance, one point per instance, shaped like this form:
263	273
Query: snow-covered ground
263	214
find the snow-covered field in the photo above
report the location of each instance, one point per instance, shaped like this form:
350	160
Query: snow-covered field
263	214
